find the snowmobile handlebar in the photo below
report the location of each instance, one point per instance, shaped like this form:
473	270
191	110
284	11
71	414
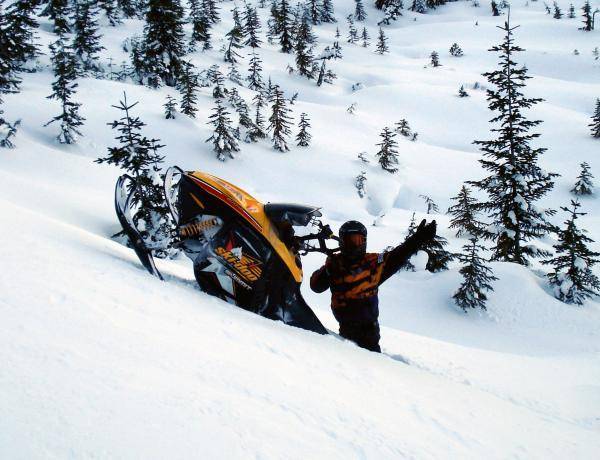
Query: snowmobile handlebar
325	233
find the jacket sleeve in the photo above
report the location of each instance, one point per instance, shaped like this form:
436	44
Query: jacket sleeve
395	259
319	281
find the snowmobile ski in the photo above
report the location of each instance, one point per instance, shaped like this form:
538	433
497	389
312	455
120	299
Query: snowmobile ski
123	209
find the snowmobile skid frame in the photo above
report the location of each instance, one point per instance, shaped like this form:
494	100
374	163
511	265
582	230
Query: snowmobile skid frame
243	251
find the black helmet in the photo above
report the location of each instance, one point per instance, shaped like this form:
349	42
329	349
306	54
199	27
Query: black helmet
353	240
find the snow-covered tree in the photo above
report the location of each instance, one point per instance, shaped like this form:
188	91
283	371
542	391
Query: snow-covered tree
431	206
188	85
284	22
201	25
140	158
455	50
595	124
464	214
359	12
20	25
572	276
403	128
254	78
130	8
584	184
170	107
435	59
391	12
234	42
212	10
304	57
258	130
462	92
163	43
557	12
365	38
515	182
223	138
352	32
571	11
313	8
388	153
588	19
303	137
359	183
58	11
418	6
495	10
251	27
477	278
111	10
64	65
86	40
279	121
382	46
327	13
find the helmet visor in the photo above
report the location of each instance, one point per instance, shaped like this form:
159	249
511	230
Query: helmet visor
353	241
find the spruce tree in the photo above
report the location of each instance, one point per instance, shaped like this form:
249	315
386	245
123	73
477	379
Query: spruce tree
418	6
557	12
20	26
572	276
365	38
163	43
212	11
595	124
495	10
431	206
352	32
403	128
279	121
391	12
140	158
464	214
455	50
314	11
303	48
187	86
435	59
382	46
359	183
234	75
571	11
516	182
254	78
284	27
63	88
462	92
86	40
58	11
258	130
201	25
223	139
588	21
439	257
234	42
130	8
9	81
359	11
327	13
170	107
584	184
111	10
388	153
251	27
477	278
303	137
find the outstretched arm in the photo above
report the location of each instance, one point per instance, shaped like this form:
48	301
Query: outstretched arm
399	256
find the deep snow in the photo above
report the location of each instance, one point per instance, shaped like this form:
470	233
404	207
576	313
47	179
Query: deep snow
98	359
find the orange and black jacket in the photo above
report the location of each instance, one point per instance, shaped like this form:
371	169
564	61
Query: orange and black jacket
354	286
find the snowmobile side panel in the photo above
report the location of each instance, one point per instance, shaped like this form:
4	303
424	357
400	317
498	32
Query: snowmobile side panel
123	210
172	176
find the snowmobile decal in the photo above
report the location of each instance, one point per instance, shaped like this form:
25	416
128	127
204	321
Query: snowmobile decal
245	266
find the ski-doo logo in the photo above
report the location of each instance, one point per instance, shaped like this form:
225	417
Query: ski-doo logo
247	267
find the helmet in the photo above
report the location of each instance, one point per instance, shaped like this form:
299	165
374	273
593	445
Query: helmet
353	240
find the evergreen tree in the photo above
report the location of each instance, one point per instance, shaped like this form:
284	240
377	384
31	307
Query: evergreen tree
254	79
58	11
365	38
251	27
439	257
140	158
314	11
584	184
464	214
130	8
572	276
188	85
234	75
557	12
284	27
63	89
212	11
170	108
359	183
86	42
418	6
258	127
412	227
303	137
201	25
595	124
20	26
223	139
455	50
234	42
327	13
336	50
392	11
516	181
111	9
435	59
462	92
477	278
403	128
9	82
359	12
217	79
303	48
495	10
388	153
431	206
163	43
279	121
571	11
352	32
588	20
382	46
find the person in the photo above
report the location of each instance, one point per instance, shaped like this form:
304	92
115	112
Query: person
353	275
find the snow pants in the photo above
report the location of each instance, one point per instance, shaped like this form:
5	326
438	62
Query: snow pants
365	335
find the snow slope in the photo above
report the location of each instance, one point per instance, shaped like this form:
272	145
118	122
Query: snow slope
98	359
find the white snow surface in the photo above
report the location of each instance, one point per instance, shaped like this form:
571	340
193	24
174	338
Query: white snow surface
100	360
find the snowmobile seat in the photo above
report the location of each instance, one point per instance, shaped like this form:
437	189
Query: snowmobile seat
293	214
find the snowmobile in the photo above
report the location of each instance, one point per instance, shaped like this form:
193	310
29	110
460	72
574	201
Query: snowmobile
243	251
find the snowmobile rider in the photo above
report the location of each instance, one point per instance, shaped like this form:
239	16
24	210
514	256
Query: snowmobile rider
353	275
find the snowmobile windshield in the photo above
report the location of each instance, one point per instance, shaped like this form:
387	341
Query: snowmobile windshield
294	214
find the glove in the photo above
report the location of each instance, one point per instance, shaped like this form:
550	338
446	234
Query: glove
425	231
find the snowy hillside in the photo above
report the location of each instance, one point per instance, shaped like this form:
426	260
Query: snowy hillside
100	360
